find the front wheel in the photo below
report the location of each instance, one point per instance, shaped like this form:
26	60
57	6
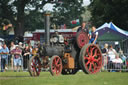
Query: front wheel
55	65
34	66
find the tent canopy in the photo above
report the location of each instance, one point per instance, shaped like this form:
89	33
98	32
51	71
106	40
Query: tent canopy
110	32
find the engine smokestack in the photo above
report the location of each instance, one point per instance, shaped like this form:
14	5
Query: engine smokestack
47	28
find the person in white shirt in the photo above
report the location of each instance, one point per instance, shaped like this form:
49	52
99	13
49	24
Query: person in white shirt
111	55
117	62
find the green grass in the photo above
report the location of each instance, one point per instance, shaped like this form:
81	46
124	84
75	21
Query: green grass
102	78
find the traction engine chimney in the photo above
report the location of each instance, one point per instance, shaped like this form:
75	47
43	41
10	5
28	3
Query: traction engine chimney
47	28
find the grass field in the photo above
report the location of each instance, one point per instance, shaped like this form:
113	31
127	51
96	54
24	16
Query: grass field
102	78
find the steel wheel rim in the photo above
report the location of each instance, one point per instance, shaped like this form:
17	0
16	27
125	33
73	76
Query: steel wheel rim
92	59
56	67
35	67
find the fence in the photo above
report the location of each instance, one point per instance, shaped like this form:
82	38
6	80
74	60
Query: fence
10	62
107	65
112	66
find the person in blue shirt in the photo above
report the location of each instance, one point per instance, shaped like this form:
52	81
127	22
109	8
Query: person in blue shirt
93	35
4	57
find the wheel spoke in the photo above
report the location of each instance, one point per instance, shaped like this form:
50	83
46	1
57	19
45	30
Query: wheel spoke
92	51
87	63
90	67
58	65
94	66
57	60
86	58
99	58
95	60
95	53
87	51
54	61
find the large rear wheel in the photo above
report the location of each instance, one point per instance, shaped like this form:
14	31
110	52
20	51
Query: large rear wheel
90	59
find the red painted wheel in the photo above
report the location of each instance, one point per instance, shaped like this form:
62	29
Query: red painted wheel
90	59
82	39
55	65
34	67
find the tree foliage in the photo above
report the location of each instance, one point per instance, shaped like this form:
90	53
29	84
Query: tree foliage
115	11
24	14
27	15
67	10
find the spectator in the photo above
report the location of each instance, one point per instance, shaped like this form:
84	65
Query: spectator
117	63
111	55
105	49
21	45
26	54
30	47
122	57
104	53
93	35
4	57
17	58
12	47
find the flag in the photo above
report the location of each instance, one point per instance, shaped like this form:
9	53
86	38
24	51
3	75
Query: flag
75	22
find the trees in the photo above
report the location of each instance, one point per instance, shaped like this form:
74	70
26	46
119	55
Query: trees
20	11
28	14
110	10
67	10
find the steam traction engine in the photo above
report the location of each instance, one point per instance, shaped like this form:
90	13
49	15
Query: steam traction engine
67	56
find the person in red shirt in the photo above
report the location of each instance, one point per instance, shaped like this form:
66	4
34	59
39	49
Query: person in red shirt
17	58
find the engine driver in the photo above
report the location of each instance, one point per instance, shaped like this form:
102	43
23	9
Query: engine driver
83	27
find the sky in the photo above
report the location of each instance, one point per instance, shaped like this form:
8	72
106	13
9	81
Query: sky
86	2
49	6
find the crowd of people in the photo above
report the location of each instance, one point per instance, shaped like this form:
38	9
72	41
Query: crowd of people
15	55
113	58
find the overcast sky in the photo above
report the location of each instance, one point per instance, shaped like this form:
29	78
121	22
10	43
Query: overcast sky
86	2
49	6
